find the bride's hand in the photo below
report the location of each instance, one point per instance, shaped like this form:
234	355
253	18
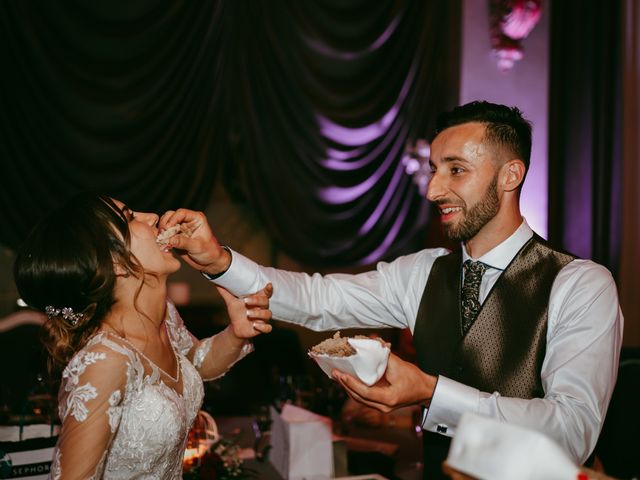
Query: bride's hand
249	315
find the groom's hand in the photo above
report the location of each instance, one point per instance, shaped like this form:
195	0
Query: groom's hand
403	384
200	248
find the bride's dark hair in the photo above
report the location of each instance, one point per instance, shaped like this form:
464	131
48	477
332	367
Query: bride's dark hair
67	261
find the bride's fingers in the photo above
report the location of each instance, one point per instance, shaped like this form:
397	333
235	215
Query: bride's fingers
253	302
225	294
261	327
261	298
257	301
257	309
259	314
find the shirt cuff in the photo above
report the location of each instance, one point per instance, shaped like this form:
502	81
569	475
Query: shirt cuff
240	278
215	276
450	400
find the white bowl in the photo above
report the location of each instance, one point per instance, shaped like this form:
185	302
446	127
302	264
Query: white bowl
368	364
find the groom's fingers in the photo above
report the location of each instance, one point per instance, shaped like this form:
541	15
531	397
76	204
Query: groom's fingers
182	242
164	218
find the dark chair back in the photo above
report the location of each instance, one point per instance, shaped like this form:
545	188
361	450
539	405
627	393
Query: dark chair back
23	363
619	444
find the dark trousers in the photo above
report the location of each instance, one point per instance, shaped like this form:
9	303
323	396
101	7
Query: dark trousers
435	448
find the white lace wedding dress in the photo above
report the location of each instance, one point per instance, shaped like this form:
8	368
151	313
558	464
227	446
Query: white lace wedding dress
124	417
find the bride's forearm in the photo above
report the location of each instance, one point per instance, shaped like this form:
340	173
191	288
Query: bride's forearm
214	356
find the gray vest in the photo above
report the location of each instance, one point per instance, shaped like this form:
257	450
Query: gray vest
504	349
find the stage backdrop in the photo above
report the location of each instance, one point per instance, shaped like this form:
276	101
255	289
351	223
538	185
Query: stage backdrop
301	109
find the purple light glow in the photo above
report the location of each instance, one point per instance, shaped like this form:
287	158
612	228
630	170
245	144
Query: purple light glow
336	195
362	146
339	155
355	137
323	49
373	155
391	235
390	191
526	86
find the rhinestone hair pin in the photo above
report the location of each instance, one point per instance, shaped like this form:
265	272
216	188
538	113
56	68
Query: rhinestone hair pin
66	313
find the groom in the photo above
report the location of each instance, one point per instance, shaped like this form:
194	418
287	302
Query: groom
506	326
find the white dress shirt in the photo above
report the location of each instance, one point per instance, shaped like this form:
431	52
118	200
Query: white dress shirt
584	333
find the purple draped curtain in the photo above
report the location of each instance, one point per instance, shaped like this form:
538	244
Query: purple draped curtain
585	126
303	108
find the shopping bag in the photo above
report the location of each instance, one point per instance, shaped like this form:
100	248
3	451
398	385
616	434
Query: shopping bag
27	459
301	444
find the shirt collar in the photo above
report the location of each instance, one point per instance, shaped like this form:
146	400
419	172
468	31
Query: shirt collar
501	255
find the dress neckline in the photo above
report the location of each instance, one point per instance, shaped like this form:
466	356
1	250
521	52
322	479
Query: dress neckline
175	379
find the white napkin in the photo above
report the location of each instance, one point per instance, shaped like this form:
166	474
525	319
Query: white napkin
368	364
302	445
491	450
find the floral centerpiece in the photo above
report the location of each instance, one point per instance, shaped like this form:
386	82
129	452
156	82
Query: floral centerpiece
209	456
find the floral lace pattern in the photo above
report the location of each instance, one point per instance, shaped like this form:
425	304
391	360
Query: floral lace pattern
180	336
78	395
149	420
201	352
55	473
115	410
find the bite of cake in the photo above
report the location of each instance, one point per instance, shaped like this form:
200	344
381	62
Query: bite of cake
363	357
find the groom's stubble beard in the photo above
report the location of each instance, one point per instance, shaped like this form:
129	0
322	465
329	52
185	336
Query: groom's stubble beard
477	216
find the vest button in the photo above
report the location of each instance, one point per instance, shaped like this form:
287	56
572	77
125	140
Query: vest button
458	369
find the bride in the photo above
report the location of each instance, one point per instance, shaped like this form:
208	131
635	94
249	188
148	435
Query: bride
131	372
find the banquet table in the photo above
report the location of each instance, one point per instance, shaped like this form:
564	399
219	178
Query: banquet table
374	449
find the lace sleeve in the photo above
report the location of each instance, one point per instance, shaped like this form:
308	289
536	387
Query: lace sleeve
213	356
181	338
91	393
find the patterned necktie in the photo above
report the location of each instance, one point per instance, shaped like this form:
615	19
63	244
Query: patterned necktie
473	272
